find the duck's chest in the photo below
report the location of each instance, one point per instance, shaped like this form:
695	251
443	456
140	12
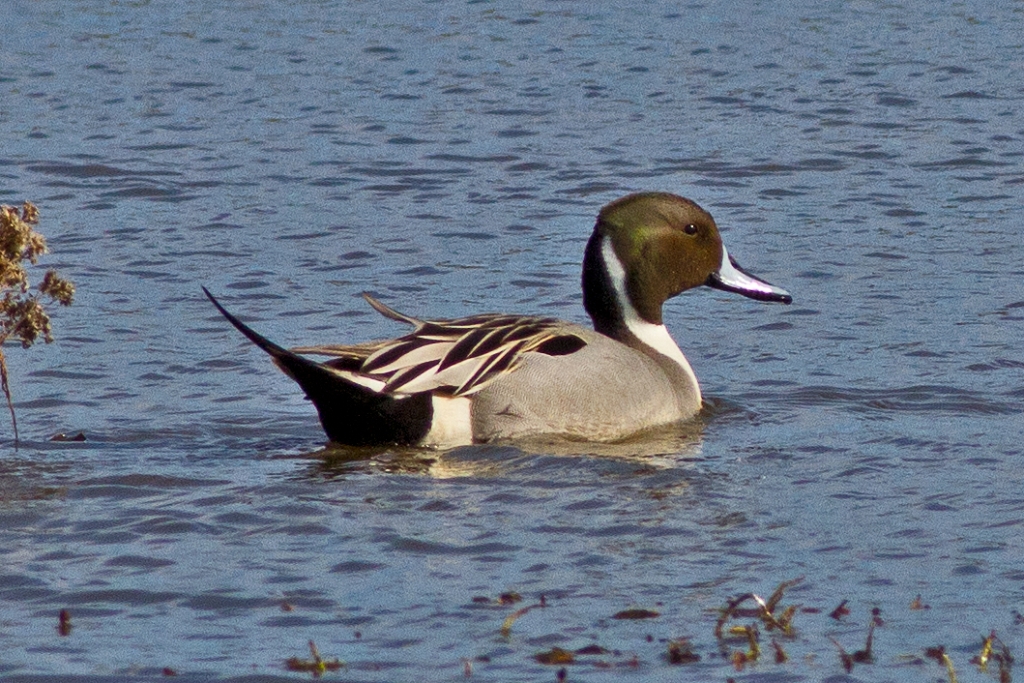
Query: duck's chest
603	392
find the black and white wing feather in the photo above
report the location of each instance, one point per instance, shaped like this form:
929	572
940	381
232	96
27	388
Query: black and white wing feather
453	357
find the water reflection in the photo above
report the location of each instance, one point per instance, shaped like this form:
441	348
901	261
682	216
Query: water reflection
26	479
669	446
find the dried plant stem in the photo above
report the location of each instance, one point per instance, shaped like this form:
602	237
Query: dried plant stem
22	315
7	392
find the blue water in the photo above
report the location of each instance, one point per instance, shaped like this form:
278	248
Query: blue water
450	157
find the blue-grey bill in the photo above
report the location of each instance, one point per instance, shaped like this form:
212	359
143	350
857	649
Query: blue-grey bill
731	278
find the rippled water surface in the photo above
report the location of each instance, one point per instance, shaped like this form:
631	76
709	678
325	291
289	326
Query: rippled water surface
450	157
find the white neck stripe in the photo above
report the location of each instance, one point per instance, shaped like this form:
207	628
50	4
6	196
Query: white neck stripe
655	336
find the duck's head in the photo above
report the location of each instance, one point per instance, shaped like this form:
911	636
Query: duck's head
651	246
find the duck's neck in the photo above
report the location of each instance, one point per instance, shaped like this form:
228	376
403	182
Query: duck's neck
606	300
600	298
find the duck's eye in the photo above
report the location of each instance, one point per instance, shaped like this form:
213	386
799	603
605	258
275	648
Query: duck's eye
690	229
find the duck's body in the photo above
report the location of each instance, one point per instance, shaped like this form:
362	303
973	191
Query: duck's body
497	377
593	406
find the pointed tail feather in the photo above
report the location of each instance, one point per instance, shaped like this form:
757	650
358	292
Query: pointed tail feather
391	313
350	414
259	340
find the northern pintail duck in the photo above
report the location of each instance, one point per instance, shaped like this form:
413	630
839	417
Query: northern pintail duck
495	377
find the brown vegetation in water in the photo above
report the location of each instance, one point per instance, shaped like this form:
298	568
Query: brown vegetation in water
22	316
738	637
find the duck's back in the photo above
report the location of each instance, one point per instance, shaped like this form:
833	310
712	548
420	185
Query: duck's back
604	391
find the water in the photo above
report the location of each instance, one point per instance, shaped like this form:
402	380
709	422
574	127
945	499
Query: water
450	157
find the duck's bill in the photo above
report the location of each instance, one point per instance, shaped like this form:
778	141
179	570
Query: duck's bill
731	278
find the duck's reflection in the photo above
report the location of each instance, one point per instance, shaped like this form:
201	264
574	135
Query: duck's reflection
664	447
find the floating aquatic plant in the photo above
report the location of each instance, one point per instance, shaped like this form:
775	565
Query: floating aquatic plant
636	613
555	655
64	623
22	316
765	611
506	626
316	665
680	651
988	653
940	656
751	631
511	599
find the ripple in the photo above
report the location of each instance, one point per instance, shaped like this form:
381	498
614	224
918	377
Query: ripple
120	596
912	399
420	547
70	170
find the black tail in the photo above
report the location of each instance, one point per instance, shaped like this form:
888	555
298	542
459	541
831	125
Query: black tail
350	414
